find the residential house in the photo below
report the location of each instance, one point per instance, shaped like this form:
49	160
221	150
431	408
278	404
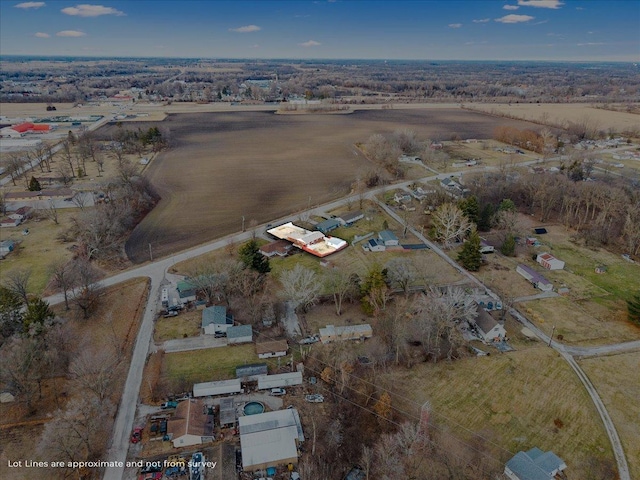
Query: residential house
216	320
534	465
374	245
549	262
450	183
21	214
535	278
488	328
6	247
350	332
9	222
186	291
401	197
239	334
388	238
327	225
190	425
289	379
350	218
275	348
280	248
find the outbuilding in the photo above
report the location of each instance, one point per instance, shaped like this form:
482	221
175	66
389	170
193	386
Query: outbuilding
535	278
374	245
534	465
549	262
388	238
239	334
6	246
252	371
350	332
289	379
270	439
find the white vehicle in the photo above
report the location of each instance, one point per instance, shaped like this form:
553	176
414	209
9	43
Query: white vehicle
277	392
314	398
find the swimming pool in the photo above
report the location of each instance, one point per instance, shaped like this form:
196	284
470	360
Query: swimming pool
253	408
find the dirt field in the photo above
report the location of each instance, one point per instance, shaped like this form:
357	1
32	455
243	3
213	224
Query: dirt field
499	397
560	113
263	166
620	393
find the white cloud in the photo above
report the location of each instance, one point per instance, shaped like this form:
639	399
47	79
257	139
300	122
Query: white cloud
27	5
86	10
42	35
70	33
511	7
310	43
245	29
512	18
455	25
482	20
555	4
590	44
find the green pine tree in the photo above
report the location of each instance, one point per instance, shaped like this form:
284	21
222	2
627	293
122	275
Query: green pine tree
470	256
508	248
633	308
252	258
485	219
34	185
470	208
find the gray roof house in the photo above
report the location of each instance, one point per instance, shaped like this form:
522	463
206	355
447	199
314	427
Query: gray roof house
216	319
327	225
534	465
388	238
488	327
350	218
239	334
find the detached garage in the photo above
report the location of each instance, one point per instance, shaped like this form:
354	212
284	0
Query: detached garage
549	262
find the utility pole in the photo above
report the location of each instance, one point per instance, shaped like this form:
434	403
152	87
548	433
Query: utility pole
150	254
551	337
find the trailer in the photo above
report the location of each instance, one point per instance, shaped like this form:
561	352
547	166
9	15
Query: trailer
222	387
266	382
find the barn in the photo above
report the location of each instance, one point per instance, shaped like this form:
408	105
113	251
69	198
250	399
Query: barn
549	262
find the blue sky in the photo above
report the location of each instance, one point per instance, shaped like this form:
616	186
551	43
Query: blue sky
423	30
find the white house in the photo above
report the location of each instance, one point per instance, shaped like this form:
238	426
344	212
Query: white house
276	348
549	262
189	425
216	320
488	328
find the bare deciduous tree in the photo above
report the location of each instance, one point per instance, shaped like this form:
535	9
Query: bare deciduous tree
339	283
450	224
86	293
18	282
96	372
300	286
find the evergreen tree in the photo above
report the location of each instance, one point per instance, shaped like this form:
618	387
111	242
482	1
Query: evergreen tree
38	312
252	258
34	185
374	291
633	308
470	256
470	208
508	248
485	219
10	312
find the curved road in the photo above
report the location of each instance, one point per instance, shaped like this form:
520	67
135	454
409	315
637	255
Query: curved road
156	271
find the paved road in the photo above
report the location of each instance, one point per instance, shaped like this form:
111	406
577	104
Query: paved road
156	271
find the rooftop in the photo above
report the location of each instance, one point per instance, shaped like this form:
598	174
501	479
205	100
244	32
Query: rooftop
239	331
273	346
216	315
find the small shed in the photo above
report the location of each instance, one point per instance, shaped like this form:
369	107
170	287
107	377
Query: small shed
227	412
186	291
327	225
6	246
216	320
601	269
388	238
275	348
239	334
549	262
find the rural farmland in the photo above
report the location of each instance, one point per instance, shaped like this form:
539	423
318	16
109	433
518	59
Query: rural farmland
261	166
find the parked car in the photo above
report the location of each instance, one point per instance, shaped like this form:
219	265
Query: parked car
220	334
309	340
167	405
136	435
170	313
276	392
314	398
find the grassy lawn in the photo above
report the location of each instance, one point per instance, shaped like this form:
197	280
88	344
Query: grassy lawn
210	364
526	398
186	324
38	249
620	392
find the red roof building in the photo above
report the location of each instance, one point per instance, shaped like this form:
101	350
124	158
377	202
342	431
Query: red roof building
31	127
